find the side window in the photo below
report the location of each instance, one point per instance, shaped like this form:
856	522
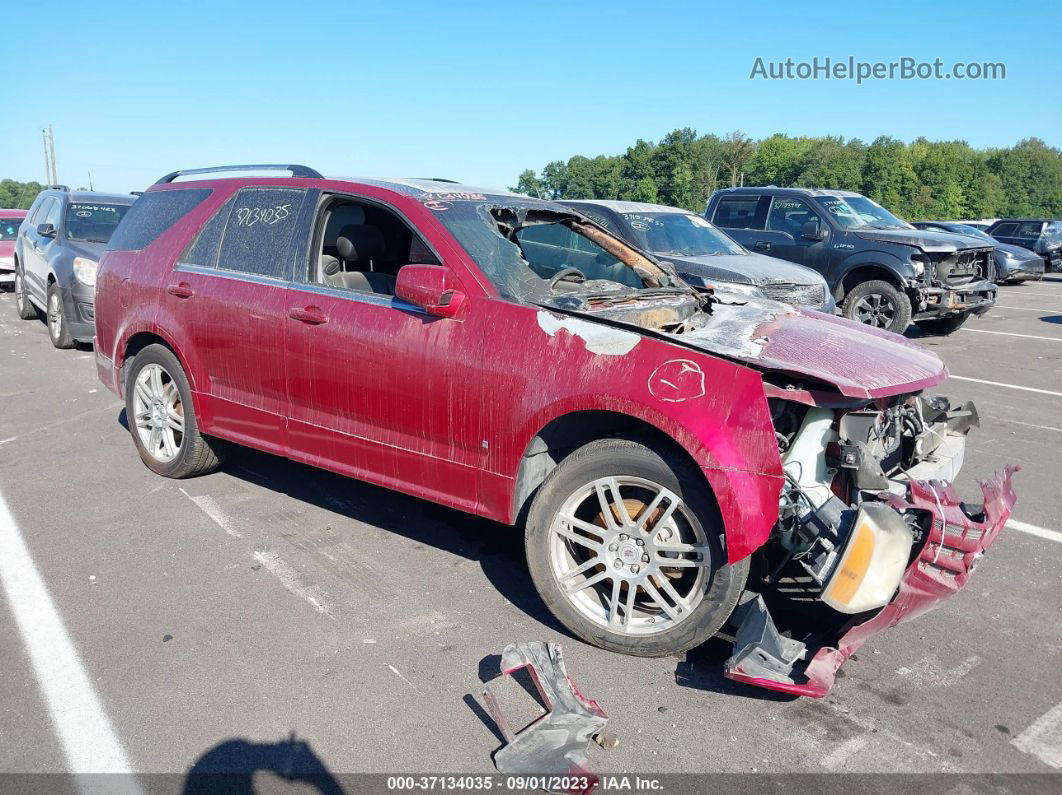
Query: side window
738	212
1030	229
260	230
1005	230
151	215
54	213
789	214
203	250
37	211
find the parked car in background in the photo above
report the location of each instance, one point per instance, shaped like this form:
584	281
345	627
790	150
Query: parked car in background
982	224
503	356
1014	264
705	256
57	248
9	223
882	271
1040	235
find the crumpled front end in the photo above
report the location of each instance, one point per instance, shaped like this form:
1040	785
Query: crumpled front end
871	533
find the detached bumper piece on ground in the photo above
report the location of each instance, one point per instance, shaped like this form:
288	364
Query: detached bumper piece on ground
556	743
959	534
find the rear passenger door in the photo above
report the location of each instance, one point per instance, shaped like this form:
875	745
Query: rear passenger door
228	295
743	216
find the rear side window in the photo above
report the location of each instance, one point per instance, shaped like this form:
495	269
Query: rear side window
1005	230
151	215
1030	229
259	232
35	215
738	212
203	251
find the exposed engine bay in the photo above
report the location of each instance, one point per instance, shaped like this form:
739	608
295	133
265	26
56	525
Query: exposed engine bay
846	533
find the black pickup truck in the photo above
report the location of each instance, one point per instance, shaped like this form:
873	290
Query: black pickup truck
882	271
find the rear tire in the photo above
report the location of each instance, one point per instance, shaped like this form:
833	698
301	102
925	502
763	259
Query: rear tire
878	304
58	328
943	325
25	308
650	588
161	417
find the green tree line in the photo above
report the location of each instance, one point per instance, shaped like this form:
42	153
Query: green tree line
18	195
922	179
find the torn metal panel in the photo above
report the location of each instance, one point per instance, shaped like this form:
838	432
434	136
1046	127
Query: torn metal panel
556	743
958	535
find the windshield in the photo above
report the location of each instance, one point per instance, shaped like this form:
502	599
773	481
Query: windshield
93	223
9	228
859	212
972	231
680	234
525	247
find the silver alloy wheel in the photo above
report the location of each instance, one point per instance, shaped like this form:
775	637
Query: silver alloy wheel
875	310
20	299
55	316
158	413
629	556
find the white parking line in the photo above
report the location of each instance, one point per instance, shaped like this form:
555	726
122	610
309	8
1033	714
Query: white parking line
209	506
1033	530
1026	308
1008	386
1012	334
89	742
1043	738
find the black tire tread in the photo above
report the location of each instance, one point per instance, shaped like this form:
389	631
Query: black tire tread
903	317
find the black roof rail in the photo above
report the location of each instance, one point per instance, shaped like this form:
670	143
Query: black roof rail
136	193
65	188
296	171
438	179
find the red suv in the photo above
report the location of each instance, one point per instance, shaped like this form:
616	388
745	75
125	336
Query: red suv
677	460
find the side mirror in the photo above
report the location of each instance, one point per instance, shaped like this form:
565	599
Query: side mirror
813	230
432	288
45	230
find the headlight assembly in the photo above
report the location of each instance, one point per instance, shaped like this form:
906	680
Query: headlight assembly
85	270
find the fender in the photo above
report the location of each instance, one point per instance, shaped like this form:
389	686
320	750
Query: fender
900	269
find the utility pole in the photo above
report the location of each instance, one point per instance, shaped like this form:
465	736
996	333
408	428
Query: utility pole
50	175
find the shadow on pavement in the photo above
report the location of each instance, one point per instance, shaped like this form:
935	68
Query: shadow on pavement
703	670
231	766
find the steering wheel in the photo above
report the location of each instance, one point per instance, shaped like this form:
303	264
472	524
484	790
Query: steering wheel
565	272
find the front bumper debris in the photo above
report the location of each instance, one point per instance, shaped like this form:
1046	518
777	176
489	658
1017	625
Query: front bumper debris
975	297
956	542
556	743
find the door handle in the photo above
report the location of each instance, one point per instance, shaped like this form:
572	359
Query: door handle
761	245
181	290
311	315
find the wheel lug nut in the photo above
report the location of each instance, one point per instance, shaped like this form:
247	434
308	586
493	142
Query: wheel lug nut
635	569
618	564
640	542
645	558
613	547
624	536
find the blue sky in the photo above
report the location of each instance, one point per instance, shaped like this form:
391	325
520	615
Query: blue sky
479	91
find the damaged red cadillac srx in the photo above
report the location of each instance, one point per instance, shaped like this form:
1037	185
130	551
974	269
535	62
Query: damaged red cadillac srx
678	460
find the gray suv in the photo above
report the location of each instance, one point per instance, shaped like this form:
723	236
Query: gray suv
56	252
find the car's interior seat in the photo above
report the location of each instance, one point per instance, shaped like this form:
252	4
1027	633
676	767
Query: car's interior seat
358	247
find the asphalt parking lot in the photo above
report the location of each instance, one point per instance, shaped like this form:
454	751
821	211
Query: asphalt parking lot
271	599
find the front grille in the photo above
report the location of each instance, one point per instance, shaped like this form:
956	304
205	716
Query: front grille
799	294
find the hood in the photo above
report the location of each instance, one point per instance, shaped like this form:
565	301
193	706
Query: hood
82	248
936	242
860	361
1015	251
743	269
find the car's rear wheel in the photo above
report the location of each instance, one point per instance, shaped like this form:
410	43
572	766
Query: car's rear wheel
626	551
943	325
58	330
878	304
161	417
25	308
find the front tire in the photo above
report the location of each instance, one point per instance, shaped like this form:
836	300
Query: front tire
878	304
943	325
626	550
58	328
161	417
25	308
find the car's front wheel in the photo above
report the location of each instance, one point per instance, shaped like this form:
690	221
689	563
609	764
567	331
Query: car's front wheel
161	417
25	308
878	304
58	330
626	550
943	325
